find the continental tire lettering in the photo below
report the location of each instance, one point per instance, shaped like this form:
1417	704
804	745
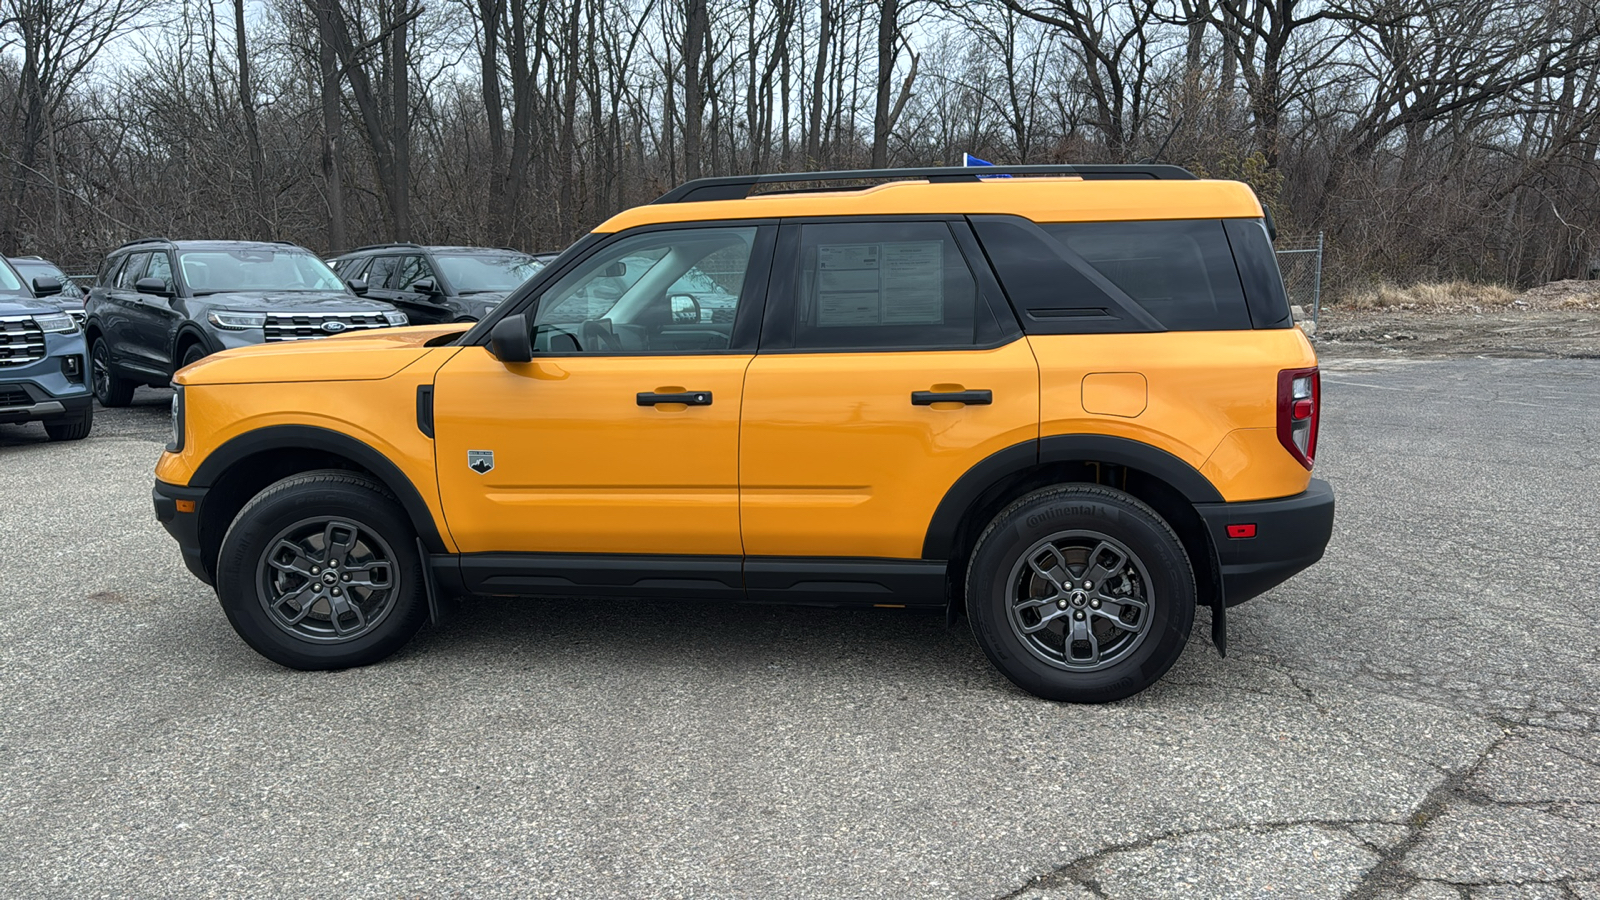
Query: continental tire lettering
1062	512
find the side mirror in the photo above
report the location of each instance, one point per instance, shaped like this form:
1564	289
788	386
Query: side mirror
357	286
685	309
511	340
47	286
425	286
156	286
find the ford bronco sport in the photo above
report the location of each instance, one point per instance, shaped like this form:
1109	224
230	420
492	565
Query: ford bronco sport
1070	402
42	364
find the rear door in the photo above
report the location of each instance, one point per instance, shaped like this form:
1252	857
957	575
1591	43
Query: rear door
889	365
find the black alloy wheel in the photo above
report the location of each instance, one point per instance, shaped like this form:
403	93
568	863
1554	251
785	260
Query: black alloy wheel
321	571
1080	593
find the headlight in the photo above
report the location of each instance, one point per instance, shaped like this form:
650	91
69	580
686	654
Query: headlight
56	323
236	321
396	318
176	444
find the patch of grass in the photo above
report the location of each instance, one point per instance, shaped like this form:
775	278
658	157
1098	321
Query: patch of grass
1430	295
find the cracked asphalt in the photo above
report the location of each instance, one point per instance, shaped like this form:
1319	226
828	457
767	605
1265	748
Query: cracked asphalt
1416	717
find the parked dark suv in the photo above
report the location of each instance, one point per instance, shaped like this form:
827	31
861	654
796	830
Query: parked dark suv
37	272
437	284
42	360
159	305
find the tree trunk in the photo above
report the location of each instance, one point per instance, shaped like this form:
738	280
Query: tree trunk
262	220
888	43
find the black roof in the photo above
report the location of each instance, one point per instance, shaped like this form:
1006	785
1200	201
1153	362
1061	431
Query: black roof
737	187
431	248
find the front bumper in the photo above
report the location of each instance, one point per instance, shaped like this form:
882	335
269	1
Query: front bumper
41	406
183	523
1291	534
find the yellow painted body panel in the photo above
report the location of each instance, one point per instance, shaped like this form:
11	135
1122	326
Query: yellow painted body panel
835	461
579	466
360	356
1203	386
380	413
1039	199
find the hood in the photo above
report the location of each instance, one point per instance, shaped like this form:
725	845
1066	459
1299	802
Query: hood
18	305
293	301
369	355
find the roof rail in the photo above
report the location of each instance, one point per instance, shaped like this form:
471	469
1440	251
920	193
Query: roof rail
146	240
381	246
738	187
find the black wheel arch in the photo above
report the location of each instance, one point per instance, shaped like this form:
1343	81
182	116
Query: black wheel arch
190	334
1166	483
242	467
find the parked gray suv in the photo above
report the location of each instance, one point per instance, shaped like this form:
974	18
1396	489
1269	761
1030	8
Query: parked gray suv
159	305
42	362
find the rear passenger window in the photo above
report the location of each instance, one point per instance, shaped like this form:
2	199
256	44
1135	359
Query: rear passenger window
381	272
881	286
1181	272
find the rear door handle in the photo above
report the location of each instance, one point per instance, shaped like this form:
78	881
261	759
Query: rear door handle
687	398
971	398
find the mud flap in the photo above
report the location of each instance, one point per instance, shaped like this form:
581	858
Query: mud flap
1219	603
435	610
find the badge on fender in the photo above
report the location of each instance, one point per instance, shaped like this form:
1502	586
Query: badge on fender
480	461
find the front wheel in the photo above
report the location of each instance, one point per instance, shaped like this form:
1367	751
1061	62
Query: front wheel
71	428
1080	593
321	571
108	388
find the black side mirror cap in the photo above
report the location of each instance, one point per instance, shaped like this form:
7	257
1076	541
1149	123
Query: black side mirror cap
358	286
156	286
425	286
47	286
511	340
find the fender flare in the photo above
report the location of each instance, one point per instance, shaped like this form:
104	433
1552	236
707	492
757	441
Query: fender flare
944	527
306	437
185	331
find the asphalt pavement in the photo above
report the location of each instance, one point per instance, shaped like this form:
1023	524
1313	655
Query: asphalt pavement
1417	716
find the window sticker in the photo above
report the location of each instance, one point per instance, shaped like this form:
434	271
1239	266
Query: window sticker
880	284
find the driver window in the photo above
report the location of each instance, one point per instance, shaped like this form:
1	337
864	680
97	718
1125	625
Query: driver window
160	267
661	291
412	270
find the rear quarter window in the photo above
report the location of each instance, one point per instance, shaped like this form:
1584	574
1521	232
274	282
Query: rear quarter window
1180	272
1129	277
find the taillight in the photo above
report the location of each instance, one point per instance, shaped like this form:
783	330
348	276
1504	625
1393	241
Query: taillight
1299	409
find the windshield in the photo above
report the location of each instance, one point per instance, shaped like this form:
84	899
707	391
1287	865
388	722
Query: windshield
30	269
481	272
256	269
9	283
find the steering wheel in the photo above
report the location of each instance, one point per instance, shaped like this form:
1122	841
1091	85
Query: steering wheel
597	336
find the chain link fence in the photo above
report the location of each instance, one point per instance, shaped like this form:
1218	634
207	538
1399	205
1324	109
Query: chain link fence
1302	274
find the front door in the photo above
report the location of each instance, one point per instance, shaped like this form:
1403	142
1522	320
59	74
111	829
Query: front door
614	440
889	366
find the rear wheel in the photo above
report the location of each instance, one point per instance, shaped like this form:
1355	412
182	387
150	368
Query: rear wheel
71	428
1080	593
321	571
109	389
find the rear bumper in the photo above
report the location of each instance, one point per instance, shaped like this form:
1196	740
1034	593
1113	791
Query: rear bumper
183	526
1290	535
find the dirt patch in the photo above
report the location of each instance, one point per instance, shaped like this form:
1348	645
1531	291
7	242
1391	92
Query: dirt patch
1556	320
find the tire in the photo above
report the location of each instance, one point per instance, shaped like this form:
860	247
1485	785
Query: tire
191	355
1031	586
276	585
109	389
71	428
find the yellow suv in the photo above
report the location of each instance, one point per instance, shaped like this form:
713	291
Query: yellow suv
1068	400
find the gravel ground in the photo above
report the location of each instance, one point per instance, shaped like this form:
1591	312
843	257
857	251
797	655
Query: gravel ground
1417	716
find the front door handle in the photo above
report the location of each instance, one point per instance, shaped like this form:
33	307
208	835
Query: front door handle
687	398
971	398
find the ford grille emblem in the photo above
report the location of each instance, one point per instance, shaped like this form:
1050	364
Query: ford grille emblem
334	326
